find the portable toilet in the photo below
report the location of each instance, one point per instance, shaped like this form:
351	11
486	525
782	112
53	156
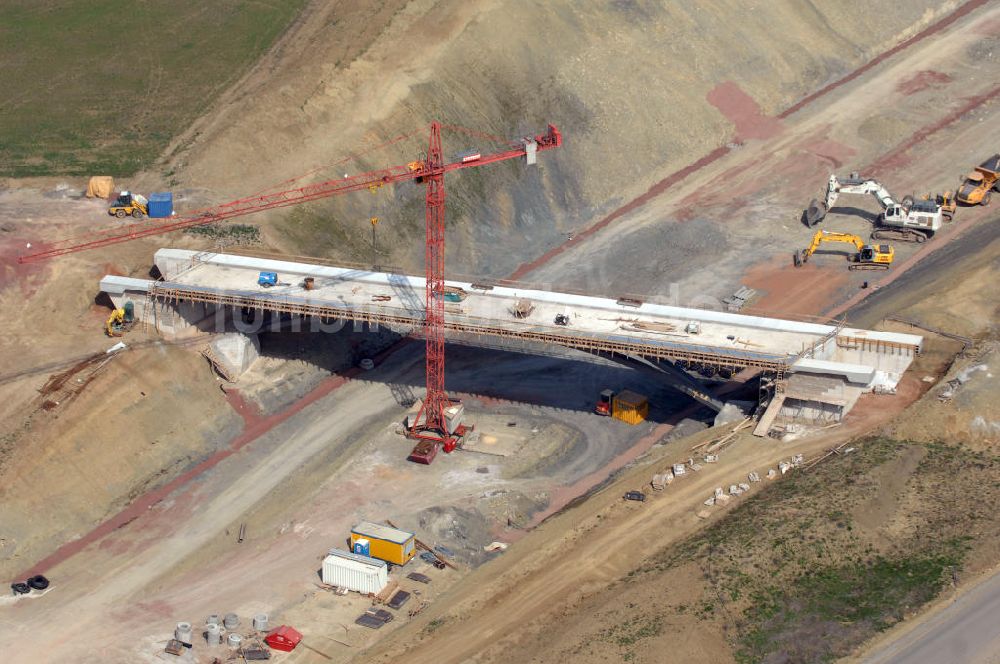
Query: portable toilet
363	547
160	205
389	544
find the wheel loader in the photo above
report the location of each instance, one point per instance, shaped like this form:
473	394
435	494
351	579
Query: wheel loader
946	202
129	205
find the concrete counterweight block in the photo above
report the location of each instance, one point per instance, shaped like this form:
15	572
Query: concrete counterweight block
183	632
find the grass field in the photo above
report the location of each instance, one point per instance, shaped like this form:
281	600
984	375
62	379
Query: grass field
101	86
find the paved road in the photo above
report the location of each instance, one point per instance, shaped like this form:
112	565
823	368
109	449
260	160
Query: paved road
967	632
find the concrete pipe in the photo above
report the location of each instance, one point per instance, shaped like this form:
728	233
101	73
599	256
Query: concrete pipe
231	621
234	640
183	632
260	622
213	619
213	635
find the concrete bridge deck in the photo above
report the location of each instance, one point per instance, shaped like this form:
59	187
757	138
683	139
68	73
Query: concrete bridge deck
594	323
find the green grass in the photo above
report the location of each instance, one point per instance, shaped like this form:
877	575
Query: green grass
229	233
102	86
843	603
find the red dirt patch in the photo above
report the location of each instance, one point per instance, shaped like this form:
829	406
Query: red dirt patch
741	109
787	290
13	273
923	80
990	27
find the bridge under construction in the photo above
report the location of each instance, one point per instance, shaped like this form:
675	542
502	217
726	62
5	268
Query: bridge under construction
825	365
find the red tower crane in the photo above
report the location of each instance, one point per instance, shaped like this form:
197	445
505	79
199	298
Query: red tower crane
430	423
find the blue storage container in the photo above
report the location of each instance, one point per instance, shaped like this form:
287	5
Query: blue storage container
363	547
161	205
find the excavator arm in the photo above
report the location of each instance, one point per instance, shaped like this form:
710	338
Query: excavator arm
854	184
823	237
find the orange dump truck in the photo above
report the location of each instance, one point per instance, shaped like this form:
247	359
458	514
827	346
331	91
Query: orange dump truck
976	188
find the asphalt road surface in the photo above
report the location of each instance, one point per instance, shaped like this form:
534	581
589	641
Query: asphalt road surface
967	632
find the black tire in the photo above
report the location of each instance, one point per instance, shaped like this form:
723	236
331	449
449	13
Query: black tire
20	588
986	198
120	214
38	582
137	213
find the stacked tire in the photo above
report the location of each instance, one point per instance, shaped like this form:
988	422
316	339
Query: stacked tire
37	582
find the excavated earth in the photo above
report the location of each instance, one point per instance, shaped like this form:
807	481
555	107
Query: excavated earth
694	137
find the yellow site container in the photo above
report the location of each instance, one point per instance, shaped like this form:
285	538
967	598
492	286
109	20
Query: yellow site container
385	543
630	407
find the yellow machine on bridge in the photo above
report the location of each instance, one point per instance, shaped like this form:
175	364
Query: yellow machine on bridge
867	257
120	321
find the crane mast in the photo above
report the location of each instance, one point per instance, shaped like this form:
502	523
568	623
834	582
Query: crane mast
431	421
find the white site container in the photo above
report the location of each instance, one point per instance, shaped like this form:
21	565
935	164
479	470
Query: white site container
359	573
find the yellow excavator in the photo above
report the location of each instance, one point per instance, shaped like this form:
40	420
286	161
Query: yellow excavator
867	257
120	320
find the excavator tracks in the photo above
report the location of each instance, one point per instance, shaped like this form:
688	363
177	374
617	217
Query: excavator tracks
900	235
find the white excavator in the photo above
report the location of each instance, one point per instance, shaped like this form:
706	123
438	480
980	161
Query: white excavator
908	221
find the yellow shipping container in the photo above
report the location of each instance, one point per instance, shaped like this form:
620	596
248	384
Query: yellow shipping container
630	407
388	544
